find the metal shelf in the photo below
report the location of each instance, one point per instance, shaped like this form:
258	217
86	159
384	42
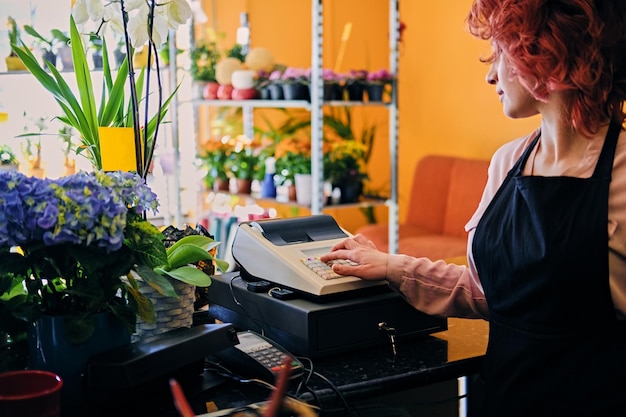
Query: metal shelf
316	105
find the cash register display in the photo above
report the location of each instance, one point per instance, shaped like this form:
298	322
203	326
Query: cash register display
277	250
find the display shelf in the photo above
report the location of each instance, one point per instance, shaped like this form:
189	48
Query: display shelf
316	107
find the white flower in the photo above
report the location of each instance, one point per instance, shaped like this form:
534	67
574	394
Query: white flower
168	15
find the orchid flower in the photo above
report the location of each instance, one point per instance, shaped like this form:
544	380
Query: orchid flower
167	16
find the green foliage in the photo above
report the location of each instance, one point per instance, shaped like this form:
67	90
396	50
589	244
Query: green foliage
204	57
7	156
50	44
81	111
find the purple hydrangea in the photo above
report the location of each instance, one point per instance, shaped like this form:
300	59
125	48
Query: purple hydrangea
84	208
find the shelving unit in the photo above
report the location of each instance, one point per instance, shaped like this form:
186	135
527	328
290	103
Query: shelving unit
317	104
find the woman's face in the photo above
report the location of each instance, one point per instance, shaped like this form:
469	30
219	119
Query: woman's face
516	100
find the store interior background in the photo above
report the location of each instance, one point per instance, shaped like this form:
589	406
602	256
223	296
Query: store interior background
445	105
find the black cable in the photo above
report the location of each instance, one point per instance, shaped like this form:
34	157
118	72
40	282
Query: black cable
341	397
232	293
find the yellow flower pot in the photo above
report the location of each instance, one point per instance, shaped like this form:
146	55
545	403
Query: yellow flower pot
117	149
14	63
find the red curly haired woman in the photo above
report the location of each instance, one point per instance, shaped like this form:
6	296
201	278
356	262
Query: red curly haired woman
544	268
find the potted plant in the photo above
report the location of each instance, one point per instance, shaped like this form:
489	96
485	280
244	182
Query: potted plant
355	84
243	162
343	167
13	61
214	158
376	83
293	166
73	250
8	160
276	84
204	56
295	83
48	46
333	90
116	109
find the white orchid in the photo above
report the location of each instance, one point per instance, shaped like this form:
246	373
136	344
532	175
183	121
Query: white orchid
168	15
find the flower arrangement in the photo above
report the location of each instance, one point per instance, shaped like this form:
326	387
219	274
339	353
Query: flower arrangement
74	247
381	76
139	23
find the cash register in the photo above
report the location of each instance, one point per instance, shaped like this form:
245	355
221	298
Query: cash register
324	313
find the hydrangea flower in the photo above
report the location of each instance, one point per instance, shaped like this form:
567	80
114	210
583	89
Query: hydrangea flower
88	209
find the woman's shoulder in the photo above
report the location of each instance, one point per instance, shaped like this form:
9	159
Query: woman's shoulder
507	155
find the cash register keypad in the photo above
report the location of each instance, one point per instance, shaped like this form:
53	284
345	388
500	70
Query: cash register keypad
325	270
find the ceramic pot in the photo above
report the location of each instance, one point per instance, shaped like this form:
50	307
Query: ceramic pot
244	186
375	92
49	350
355	90
303	189
276	92
221	185
225	92
14	63
210	90
295	91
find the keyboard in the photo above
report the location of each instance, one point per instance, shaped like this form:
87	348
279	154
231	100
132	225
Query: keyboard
325	270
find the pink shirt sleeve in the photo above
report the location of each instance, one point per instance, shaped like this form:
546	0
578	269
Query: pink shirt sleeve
436	287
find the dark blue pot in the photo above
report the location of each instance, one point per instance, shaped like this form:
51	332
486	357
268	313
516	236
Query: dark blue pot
49	350
296	91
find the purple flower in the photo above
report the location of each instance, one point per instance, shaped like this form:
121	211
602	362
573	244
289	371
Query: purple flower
381	75
84	209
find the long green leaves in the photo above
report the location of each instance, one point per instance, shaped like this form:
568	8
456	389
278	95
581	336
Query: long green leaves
80	110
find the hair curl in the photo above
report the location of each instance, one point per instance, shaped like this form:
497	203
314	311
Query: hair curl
574	46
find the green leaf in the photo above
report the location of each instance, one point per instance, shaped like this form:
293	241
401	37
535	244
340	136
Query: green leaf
187	254
221	264
190	275
156	281
203	242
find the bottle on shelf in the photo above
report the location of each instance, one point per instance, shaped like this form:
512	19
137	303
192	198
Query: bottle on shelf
268	188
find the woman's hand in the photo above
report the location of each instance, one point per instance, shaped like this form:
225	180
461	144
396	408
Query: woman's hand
372	263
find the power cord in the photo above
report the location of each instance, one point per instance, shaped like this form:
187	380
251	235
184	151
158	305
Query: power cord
258	323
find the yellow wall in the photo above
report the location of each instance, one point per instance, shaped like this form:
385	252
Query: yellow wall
445	105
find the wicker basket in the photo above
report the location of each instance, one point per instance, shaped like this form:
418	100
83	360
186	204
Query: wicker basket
171	313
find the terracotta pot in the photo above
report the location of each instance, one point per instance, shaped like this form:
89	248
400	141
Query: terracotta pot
225	92
244	186
210	90
220	185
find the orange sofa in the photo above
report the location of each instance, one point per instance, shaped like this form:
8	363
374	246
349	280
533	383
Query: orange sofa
444	194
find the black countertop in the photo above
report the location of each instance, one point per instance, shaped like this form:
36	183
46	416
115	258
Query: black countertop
362	374
359	374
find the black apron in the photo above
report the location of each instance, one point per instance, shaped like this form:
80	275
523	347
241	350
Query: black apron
541	251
